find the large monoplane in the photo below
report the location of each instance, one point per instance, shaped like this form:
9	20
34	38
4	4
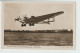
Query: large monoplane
38	19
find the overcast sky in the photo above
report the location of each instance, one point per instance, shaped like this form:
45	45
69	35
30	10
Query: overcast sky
63	21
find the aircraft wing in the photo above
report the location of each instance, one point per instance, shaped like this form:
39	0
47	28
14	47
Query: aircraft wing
47	16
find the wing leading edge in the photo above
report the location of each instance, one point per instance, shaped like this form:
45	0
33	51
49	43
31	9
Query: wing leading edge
34	20
44	17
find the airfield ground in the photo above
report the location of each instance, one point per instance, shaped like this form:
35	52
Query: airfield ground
38	39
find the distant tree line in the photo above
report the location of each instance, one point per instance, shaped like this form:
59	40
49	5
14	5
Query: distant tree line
42	31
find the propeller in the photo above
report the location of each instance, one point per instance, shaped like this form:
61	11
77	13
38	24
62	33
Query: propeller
17	19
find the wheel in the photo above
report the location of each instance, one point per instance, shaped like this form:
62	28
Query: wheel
22	25
31	24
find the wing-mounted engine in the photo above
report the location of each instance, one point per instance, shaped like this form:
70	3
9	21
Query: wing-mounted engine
47	21
25	17
51	19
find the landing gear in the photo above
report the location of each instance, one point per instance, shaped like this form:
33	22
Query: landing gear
31	24
23	25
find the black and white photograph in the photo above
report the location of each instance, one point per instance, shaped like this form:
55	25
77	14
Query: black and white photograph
39	24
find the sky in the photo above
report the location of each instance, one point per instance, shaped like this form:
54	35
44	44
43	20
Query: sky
12	10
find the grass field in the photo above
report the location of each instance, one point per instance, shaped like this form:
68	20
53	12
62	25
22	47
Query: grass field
38	39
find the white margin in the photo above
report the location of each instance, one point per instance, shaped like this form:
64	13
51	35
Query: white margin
49	51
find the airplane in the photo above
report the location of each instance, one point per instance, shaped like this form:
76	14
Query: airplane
38	19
